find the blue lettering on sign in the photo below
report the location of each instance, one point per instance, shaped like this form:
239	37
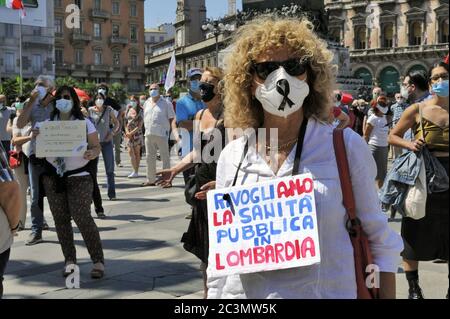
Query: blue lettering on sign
305	202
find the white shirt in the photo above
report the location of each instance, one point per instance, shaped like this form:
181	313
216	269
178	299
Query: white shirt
334	277
157	117
380	131
25	131
73	163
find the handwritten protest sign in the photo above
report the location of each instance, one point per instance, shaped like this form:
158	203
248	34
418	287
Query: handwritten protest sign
264	226
61	139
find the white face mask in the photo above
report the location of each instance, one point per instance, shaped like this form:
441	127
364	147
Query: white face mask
1	105
282	94
64	106
142	102
404	92
133	103
99	102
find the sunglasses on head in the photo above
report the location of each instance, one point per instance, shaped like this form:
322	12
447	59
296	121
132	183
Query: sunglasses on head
293	67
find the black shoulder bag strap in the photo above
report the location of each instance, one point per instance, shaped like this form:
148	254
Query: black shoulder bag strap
101	116
295	169
298	152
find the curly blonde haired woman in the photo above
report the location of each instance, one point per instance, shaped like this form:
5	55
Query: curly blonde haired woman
279	75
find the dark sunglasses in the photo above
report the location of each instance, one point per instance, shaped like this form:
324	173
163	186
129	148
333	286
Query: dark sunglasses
293	67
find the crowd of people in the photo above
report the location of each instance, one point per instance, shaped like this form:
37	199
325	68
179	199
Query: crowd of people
279	76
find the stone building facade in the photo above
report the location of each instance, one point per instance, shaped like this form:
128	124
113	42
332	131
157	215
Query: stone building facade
389	38
37	41
108	46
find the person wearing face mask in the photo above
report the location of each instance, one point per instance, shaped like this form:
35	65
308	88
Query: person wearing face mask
414	88
36	110
398	108
103	88
159	118
359	110
21	143
102	115
68	183
427	238
376	135
186	109
376	92
135	138
279	76
210	124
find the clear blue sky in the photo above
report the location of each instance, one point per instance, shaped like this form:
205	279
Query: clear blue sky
161	11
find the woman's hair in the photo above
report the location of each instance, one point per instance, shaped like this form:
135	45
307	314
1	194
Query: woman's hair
256	38
436	65
76	110
98	95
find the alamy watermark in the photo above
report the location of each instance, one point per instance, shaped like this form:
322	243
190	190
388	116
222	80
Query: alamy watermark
73	279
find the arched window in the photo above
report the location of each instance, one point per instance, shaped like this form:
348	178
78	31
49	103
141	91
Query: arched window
335	35
389	80
444	31
360	39
415	33
388	36
365	74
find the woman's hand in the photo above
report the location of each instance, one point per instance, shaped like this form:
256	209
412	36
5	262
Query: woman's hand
204	189
34	133
90	155
165	177
416	146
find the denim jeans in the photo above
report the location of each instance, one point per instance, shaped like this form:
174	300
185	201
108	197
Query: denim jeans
37	214
108	159
4	257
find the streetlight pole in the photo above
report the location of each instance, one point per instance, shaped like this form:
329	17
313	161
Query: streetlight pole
216	28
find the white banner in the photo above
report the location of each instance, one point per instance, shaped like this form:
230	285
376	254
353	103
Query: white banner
61	139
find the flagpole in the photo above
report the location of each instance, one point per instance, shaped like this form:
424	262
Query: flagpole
20	54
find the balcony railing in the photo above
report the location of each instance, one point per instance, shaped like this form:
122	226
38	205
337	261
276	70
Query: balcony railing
118	40
100	67
97	13
134	69
399	50
37	40
81	37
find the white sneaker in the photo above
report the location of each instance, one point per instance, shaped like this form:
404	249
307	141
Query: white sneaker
133	175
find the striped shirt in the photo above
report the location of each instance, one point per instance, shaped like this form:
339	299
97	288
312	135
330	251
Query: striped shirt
6	174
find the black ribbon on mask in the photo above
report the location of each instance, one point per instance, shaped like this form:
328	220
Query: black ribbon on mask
284	89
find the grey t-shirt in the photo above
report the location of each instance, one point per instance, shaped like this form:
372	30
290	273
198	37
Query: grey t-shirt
5	113
39	114
102	125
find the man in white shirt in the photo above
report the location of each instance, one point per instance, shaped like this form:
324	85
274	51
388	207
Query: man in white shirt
159	117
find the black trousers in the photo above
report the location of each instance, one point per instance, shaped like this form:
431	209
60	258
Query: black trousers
4	257
96	196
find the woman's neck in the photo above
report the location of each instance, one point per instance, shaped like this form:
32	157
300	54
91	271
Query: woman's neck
442	102
65	116
287	127
215	108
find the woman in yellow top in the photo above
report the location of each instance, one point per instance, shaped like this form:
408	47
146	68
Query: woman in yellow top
426	238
